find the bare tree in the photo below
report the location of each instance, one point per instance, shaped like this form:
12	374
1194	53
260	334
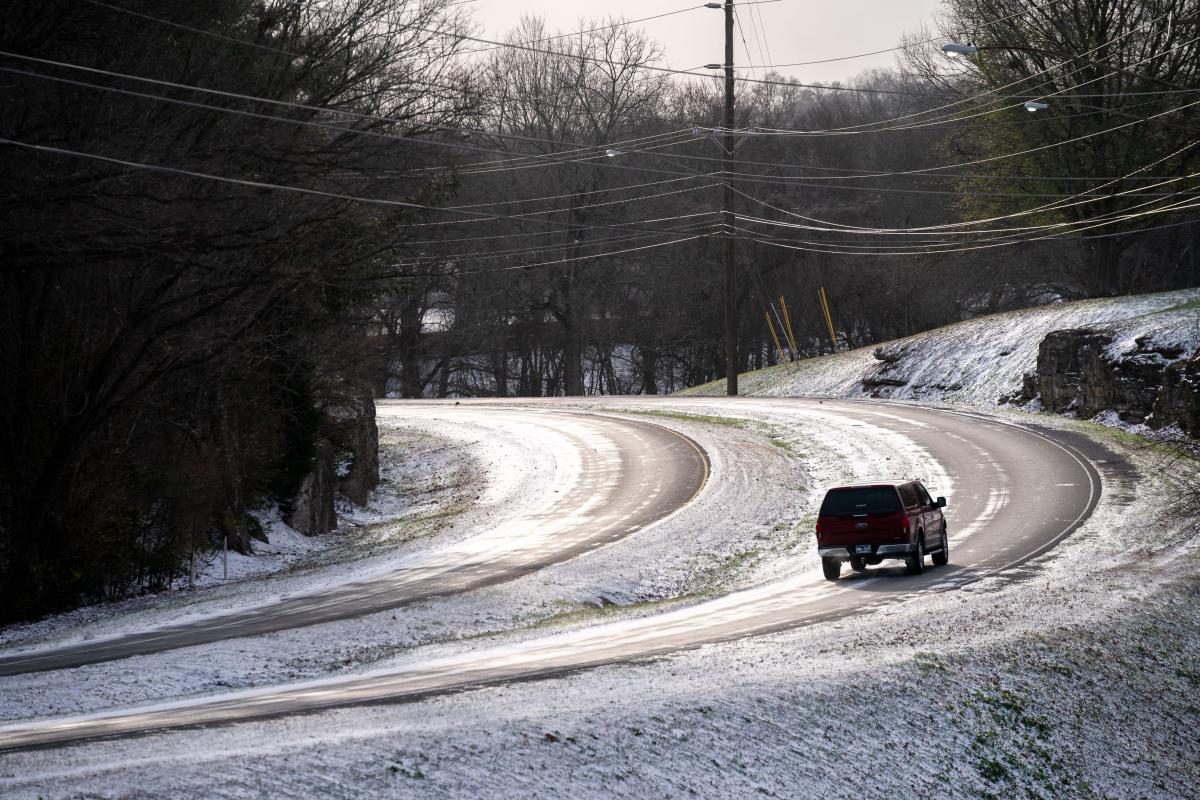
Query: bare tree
585	89
1116	75
151	317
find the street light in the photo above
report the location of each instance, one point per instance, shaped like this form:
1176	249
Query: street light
955	49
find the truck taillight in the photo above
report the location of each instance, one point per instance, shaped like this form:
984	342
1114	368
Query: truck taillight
818	527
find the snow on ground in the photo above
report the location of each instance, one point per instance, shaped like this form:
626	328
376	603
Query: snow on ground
752	526
426	474
1175	329
1072	678
978	361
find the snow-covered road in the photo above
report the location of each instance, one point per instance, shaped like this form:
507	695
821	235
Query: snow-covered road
1014	492
610	477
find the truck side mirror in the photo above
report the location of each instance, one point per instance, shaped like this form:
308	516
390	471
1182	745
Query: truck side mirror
941	502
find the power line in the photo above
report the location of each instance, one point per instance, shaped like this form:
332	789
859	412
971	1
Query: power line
331	195
554	157
528	214
573	195
1005	234
773	131
955	117
687	73
294	54
595	150
388	136
1102	45
908	46
830	249
756	22
575	258
417	206
494	217
752	176
990	159
693	227
291	53
1049	207
522	161
622	24
234	40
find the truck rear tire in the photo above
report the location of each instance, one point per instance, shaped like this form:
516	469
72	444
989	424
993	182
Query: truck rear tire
832	568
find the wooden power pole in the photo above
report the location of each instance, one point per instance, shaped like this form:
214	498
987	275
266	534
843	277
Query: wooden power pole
731	366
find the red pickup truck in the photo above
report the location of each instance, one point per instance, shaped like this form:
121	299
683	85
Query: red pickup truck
864	523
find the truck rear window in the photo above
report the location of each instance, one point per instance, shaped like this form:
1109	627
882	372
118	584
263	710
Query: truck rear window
867	500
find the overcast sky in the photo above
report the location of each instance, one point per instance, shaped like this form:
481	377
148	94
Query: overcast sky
796	30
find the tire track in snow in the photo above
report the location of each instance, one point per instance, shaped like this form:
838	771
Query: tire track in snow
1048	479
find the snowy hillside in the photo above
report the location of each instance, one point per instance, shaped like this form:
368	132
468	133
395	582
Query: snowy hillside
979	361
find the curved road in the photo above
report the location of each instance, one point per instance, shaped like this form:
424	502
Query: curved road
630	474
1019	492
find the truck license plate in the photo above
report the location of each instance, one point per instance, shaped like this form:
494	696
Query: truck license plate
862	548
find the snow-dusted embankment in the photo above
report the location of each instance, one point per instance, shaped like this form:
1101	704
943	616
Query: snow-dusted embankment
980	361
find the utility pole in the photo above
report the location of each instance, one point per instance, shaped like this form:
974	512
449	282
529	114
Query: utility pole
731	372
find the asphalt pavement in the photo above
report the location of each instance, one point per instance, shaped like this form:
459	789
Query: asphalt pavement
630	474
1020	491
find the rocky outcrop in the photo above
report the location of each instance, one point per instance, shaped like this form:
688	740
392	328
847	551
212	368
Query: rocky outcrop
874	383
312	510
887	375
1178	400
1076	371
357	441
345	460
889	355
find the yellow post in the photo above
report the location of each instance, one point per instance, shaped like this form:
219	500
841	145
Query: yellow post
787	320
828	317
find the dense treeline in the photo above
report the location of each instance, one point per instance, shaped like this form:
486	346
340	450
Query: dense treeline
611	145
246	218
174	350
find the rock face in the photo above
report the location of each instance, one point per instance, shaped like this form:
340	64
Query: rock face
1179	398
889	373
358	445
1077	372
346	460
312	510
